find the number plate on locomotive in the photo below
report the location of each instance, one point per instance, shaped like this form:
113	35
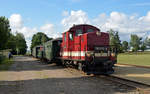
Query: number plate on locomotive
99	48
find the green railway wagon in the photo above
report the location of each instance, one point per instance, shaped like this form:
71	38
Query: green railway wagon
34	51
37	51
52	49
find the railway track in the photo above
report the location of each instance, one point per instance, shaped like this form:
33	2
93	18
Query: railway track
140	87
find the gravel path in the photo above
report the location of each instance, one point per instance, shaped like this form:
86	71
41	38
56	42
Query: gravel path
29	76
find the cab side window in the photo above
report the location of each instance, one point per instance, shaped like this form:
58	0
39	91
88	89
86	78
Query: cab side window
78	32
71	36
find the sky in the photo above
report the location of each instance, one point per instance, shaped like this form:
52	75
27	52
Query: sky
53	17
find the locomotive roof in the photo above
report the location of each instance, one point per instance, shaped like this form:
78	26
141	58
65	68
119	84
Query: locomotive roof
83	25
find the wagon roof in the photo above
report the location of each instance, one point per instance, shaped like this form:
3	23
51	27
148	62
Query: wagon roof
53	40
39	46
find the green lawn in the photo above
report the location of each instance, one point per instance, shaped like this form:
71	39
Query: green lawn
135	59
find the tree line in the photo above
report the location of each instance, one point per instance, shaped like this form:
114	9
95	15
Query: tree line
135	44
38	39
15	42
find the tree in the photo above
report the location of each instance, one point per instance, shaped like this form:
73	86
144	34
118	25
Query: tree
11	43
38	39
135	42
4	32
115	40
143	46
21	45
125	45
147	41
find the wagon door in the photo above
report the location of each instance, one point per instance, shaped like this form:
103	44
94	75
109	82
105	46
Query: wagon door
77	52
71	44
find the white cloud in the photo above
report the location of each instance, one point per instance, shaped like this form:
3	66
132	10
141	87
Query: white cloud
124	23
16	21
16	24
75	17
145	18
48	29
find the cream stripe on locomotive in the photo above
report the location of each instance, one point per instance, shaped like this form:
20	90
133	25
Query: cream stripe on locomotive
82	53
74	53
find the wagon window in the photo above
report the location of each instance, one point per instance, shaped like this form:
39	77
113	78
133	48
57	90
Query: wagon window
71	36
78	32
89	30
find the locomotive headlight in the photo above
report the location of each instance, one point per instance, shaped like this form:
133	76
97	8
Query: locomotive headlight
98	33
113	54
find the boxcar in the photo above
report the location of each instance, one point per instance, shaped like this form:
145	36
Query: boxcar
52	49
34	51
37	51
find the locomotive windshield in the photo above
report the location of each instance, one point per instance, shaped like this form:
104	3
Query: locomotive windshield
89	30
78	32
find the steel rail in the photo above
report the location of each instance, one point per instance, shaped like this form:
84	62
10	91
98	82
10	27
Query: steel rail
141	87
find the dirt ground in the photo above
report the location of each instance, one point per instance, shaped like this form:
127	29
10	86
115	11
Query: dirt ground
30	76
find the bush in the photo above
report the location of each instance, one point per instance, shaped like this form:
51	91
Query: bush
2	58
5	63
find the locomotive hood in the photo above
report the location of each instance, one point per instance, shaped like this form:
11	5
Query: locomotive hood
98	39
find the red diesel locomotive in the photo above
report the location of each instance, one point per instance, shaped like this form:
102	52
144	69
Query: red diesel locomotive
88	48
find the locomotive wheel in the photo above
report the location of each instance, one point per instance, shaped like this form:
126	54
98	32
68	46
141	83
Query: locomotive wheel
63	62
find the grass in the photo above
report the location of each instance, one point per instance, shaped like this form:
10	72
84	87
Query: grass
142	59
5	64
